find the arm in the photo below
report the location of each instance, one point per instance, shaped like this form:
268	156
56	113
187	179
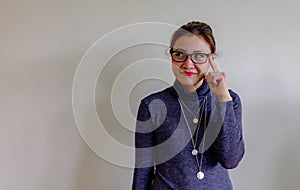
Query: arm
144	169
229	145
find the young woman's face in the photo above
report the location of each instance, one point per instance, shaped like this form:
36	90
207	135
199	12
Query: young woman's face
188	73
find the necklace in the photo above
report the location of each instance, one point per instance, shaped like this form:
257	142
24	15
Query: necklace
200	174
195	120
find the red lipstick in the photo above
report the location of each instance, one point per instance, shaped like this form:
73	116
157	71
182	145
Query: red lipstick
186	73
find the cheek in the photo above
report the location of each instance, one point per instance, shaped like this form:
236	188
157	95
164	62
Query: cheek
176	71
175	68
202	68
175	64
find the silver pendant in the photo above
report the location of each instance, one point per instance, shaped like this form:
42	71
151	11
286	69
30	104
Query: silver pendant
200	175
194	152
195	120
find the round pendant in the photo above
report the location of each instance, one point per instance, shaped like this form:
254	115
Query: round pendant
194	152
200	175
195	120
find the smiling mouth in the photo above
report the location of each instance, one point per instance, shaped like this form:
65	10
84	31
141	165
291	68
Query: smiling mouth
189	74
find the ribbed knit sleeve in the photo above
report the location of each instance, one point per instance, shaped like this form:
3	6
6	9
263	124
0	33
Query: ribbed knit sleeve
229	145
144	170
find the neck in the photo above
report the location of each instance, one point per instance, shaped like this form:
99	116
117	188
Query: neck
194	87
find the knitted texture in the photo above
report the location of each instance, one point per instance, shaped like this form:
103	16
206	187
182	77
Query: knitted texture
163	159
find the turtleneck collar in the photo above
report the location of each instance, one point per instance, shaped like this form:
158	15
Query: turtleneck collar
184	94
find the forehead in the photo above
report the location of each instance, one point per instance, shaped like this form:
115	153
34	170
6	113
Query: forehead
191	43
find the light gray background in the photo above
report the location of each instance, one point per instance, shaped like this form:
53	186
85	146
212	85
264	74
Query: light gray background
42	42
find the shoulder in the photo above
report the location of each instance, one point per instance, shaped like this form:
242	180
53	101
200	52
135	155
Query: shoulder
235	98
156	104
234	94
164	95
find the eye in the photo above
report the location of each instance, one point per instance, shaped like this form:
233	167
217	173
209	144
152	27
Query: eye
178	54
199	56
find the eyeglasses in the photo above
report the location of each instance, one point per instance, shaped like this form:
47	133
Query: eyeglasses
197	58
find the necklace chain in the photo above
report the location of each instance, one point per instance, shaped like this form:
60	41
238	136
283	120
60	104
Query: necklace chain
200	174
195	115
195	120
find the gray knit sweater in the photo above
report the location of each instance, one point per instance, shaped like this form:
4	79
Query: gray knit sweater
163	140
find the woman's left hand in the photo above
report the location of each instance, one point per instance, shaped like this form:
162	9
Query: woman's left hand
217	82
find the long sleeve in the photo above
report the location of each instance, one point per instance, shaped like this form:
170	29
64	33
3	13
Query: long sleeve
229	145
161	131
144	169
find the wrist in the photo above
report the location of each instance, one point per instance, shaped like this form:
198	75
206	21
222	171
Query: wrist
225	98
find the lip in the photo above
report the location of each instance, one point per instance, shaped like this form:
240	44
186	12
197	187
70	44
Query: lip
189	74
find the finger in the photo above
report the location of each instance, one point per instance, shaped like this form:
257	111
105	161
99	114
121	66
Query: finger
211	78
212	85
217	79
208	77
201	74
214	77
213	65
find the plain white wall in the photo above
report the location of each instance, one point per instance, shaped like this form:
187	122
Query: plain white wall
42	43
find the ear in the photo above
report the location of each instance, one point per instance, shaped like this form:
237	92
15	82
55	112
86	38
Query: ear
214	56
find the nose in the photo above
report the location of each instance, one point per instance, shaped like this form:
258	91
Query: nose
188	63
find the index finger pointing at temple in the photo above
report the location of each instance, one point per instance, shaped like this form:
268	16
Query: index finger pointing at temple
213	65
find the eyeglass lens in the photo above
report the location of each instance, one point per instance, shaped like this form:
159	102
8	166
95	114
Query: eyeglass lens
198	58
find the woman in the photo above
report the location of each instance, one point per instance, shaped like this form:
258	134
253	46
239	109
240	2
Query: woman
189	134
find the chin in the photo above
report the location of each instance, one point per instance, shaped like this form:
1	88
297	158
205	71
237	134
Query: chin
188	81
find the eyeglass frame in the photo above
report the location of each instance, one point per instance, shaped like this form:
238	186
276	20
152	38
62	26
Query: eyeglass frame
190	56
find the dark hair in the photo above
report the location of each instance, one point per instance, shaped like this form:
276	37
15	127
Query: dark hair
196	28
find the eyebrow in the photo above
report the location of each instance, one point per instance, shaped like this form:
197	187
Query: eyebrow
184	51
